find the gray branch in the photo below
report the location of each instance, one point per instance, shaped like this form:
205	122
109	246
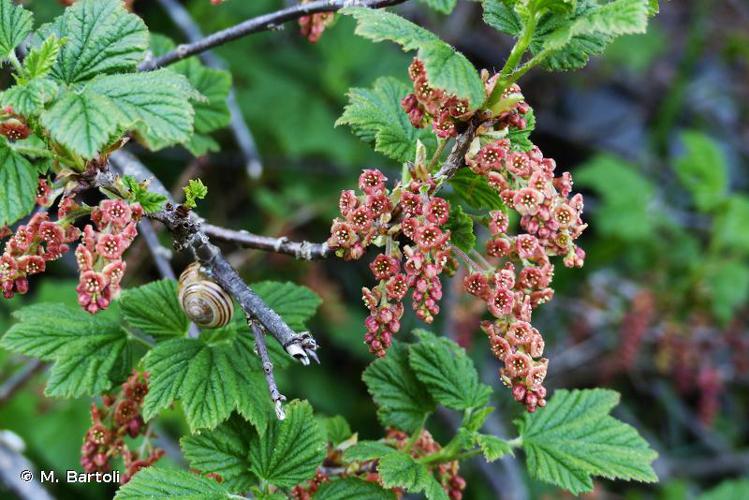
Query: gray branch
262	351
242	134
264	22
16	381
299	249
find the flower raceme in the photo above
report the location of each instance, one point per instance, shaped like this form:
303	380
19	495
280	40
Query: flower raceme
514	275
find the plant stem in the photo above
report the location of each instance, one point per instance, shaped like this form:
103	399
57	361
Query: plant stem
507	74
437	154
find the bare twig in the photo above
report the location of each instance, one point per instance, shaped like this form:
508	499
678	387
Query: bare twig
16	381
299	249
456	158
16	474
256	24
242	134
262	351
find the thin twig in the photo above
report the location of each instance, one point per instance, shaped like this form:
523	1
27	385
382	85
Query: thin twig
264	22
262	351
16	381
242	134
299	249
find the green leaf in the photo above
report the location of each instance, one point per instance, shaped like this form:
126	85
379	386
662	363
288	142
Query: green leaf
85	348
103	38
157	482
351	487
150	202
476	419
443	6
520	139
367	450
703	170
728	286
294	303
41	59
15	25
18	182
223	451
84	122
401	470
211	381
336	429
460	226
492	447
730	225
291	450
474	190
733	489
500	15
201	144
29	98
194	191
155	103
448	373
211	113
154	309
445	67
567	44
403	402
575	438
375	115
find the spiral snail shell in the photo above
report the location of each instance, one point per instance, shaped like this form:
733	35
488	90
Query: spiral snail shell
204	301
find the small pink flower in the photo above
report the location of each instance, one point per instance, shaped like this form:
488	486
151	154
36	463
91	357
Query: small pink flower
527	246
397	287
519	333
563	184
517	364
93	292
372	181
527	201
360	219
378	204
438	211
347	202
341	235
384	266
115	212
500	303
429	236
498	247
537	374
519	164
412	204
110	246
536	345
84	258
51	233
114	272
505	278
498	222
409	227
477	284
497	181
541	182
564	216
8	268
500	347
31	264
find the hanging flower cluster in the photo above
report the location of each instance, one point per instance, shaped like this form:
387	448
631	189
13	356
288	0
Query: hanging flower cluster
446	472
312	26
380	216
99	255
117	418
30	248
430	104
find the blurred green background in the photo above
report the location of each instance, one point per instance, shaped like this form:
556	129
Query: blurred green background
656	136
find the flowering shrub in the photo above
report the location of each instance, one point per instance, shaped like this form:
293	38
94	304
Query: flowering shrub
475	195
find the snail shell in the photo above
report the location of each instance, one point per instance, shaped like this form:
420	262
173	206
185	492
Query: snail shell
204	301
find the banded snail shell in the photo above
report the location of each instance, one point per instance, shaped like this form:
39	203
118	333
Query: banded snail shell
204	301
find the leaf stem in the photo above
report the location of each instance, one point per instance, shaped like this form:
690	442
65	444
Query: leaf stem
442	143
516	442
507	74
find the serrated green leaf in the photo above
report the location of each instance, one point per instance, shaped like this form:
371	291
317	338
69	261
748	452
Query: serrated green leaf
702	170
84	348
476	419
375	115
336	429
573	438
201	144
367	450
294	303
401	470
448	373
167	363
15	25
291	450
212	112
29	98
520	139
31	147
460	226
223	451
446	68
730	225
492	447
156	104
403	402
84	122
474	190
40	60
500	15
150	202
154	309
102	38
728	287
443	6
351	487
18	182
157	482
733	489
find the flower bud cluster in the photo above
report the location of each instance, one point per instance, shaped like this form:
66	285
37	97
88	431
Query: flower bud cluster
369	219
447	472
30	248
13	126
99	255
307	492
312	26
430	104
117	418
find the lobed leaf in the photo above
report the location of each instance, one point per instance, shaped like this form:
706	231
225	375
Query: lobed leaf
460	226
703	170
15	25
336	429
18	182
294	303
401	470
40	60
154	309
574	438
351	487
474	190
29	98
158	482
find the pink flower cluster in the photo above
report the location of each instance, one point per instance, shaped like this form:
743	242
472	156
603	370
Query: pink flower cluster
30	248
428	103
313	26
381	216
99	255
